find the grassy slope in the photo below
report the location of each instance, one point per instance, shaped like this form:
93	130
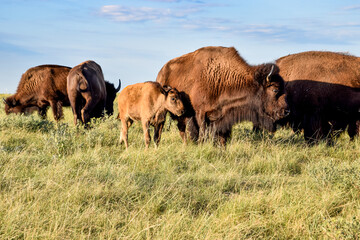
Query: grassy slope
60	182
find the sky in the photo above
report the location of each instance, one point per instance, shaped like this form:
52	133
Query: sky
132	40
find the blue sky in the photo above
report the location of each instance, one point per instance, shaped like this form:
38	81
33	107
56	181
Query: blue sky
132	40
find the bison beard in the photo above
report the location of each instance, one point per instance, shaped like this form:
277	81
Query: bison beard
221	89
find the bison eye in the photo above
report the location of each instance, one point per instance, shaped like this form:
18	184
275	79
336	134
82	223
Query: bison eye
172	99
276	90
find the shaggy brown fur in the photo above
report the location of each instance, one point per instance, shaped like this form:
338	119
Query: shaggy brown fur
323	91
38	88
87	92
147	102
216	80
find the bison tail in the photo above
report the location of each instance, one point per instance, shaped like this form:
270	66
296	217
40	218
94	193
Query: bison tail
82	87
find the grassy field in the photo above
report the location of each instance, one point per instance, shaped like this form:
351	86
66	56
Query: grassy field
62	182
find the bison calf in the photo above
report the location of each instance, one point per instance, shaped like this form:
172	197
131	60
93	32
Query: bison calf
147	102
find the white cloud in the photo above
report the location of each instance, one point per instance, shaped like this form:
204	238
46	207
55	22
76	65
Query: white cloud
354	7
300	31
132	14
120	13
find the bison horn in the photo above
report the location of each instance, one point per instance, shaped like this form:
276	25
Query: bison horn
118	88
271	71
6	102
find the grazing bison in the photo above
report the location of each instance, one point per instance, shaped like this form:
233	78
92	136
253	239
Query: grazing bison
147	102
40	87
323	92
89	93
220	89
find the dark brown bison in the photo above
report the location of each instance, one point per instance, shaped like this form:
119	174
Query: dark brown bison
323	92
219	89
147	102
89	94
40	87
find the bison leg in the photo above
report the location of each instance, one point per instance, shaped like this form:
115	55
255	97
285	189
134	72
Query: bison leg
87	109
224	137
57	109
124	133
315	128
182	128
76	103
256	127
353	129
59	106
129	123
309	129
157	133
42	105
42	111
98	111
74	107
297	126
145	125
193	129
200	118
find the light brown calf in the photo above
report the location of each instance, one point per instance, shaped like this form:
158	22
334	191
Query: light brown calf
147	102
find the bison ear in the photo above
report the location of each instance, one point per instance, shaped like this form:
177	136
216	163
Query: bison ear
14	102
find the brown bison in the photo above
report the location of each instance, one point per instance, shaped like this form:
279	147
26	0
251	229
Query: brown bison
40	87
219	89
147	102
89	94
323	92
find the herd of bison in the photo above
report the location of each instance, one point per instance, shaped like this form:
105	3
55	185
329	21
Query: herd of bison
208	91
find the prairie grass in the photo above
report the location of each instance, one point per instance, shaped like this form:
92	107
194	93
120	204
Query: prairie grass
58	181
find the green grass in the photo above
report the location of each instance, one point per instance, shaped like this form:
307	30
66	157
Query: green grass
62	182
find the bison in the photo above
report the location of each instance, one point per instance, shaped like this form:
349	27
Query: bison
89	94
38	88
147	102
323	92
220	89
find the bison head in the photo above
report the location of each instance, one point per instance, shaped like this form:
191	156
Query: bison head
110	96
173	102
12	105
271	92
